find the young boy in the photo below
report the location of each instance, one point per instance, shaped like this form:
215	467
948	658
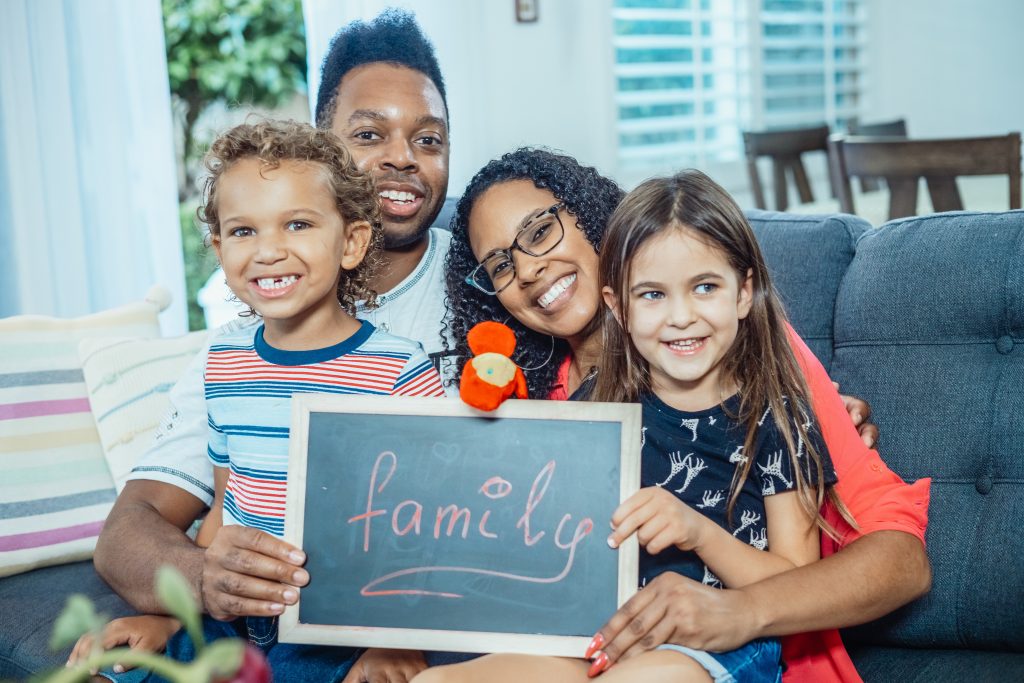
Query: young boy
295	226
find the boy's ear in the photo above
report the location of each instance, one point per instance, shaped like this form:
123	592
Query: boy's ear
612	302
746	295
356	245
215	243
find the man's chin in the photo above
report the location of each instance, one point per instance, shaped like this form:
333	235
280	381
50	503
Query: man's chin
400	235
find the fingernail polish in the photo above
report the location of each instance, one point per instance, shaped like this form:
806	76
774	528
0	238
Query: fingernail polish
611	542
595	644
118	669
600	664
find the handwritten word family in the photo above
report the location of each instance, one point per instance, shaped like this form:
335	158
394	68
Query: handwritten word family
407	516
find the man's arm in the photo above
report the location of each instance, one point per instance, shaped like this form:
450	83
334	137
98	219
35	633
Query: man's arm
145	529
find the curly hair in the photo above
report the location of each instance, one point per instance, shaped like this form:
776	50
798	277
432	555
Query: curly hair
392	37
272	142
588	196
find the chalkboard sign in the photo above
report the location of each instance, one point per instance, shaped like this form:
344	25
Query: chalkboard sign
430	525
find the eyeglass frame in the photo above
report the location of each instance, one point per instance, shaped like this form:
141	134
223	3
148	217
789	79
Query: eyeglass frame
553	210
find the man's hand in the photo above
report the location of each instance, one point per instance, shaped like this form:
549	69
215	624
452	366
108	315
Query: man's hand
247	572
386	666
860	413
676	609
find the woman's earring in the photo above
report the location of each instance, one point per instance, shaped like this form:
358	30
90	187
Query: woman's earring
547	360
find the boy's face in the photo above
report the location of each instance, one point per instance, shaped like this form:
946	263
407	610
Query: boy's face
282	242
393	121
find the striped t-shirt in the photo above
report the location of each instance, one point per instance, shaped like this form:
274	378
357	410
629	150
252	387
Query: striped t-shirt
249	385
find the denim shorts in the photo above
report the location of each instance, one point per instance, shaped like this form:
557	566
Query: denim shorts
759	661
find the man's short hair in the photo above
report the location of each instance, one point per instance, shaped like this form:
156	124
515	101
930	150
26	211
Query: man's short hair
392	37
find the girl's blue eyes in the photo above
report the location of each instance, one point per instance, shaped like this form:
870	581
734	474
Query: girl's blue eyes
298	225
703	288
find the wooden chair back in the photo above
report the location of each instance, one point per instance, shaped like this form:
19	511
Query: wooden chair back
784	147
897	128
903	162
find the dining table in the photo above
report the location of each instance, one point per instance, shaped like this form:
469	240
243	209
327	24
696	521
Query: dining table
979	193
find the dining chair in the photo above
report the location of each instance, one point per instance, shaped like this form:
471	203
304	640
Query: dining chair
897	128
784	148
939	161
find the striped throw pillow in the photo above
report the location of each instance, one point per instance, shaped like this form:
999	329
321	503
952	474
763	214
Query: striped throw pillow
128	381
56	489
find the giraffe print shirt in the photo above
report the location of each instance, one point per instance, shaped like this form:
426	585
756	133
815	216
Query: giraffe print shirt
695	454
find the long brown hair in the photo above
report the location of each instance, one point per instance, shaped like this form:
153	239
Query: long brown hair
760	360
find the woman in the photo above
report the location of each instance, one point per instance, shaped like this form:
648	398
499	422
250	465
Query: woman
524	251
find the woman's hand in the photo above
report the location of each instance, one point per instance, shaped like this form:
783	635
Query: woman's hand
147	633
660	520
674	609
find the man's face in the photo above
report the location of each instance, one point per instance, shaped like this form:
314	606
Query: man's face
392	119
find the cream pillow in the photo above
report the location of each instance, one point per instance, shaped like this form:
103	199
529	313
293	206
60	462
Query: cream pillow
128	381
55	488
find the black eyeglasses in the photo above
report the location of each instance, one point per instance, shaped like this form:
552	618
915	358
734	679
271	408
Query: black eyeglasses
538	237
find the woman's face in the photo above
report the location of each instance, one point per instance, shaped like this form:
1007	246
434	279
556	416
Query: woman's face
558	293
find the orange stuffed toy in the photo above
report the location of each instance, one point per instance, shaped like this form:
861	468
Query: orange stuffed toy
490	376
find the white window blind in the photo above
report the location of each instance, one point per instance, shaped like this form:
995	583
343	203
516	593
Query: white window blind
691	74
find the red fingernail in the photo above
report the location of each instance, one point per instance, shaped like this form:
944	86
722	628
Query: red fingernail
599	665
596	644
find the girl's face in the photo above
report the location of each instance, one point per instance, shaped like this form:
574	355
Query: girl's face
685	303
558	293
282	242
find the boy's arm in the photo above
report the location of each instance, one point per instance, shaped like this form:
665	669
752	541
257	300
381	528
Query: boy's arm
215	517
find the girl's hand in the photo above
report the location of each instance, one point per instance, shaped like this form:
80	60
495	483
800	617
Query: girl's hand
659	519
147	633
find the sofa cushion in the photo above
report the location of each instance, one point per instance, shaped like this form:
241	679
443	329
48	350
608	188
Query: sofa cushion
128	381
807	257
906	665
56	489
930	328
32	601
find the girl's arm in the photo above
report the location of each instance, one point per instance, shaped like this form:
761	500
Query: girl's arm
660	519
792	542
215	517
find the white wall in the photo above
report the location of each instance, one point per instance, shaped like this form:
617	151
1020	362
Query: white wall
555	92
950	67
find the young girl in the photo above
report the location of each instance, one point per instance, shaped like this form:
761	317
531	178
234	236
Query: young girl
733	469
294	225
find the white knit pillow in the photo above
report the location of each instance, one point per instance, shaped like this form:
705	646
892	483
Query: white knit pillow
128	381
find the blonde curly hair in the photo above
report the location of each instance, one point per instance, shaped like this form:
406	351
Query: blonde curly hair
355	196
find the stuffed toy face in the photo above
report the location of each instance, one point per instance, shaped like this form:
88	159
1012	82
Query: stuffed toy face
491	376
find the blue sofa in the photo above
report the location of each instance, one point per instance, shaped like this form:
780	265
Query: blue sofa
923	317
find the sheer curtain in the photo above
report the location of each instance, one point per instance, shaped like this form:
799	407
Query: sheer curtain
88	195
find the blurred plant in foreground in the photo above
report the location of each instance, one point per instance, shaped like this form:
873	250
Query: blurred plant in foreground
228	660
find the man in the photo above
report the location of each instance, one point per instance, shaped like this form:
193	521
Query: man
383	94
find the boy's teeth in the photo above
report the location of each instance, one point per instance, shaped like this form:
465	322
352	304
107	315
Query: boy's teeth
276	282
396	196
556	290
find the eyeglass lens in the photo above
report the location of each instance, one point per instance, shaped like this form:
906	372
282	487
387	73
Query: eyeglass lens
537	238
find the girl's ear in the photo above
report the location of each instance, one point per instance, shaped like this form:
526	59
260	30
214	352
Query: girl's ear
356	244
612	302
746	295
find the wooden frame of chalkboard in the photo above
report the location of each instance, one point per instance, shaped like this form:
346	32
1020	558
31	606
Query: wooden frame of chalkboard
431	525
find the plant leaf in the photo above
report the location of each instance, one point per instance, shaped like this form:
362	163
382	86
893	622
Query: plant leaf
175	593
78	618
